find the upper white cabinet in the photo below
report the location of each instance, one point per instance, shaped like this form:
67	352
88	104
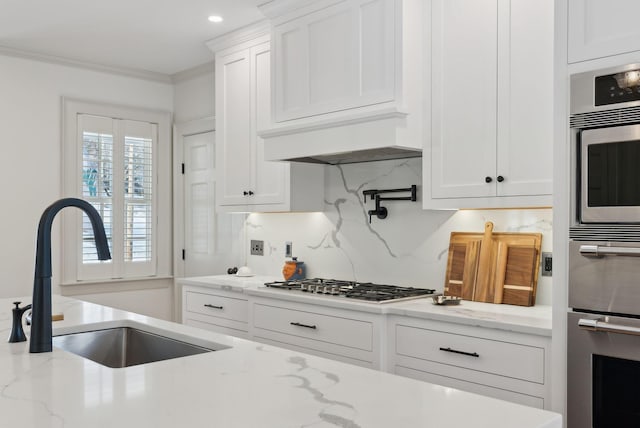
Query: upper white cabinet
491	104
336	58
599	29
346	79
245	180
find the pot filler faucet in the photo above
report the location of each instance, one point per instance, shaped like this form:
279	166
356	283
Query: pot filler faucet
41	312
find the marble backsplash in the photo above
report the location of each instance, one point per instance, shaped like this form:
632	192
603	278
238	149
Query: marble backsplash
407	248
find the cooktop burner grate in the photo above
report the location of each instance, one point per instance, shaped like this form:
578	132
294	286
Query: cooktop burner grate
366	291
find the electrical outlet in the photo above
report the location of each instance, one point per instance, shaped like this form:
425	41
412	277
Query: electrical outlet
288	249
547	264
257	248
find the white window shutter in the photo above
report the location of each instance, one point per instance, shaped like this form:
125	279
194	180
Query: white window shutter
116	167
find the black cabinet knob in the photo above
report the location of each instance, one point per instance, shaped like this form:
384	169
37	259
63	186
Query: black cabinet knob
500	179
250	192
245	193
488	179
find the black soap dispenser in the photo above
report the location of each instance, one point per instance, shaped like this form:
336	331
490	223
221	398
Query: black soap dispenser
17	333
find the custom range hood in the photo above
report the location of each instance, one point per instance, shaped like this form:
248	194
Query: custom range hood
347	81
379	137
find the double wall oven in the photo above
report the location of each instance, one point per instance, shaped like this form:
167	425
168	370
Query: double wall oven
603	364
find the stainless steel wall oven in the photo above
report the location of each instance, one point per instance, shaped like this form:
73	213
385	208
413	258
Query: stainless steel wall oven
604	250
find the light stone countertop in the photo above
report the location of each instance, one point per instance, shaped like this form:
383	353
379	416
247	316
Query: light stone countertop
531	320
248	385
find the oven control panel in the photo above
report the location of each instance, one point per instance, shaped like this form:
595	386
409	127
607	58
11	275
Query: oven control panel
617	88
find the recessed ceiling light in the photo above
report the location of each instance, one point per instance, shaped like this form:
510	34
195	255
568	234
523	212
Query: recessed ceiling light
215	18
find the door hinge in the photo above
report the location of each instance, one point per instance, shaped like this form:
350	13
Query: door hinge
183	254
183	168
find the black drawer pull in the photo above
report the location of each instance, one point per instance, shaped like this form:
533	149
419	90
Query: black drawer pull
303	325
471	354
207	305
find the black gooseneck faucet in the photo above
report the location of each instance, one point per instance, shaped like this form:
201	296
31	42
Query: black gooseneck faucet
41	329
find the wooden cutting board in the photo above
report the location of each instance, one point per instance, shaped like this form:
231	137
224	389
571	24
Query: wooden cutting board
462	267
516	275
493	267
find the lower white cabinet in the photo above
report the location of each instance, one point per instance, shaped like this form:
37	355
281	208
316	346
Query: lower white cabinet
339	334
497	363
215	310
501	364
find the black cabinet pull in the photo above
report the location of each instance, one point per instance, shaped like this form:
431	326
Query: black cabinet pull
470	354
488	179
207	305
500	179
303	325
245	193
250	192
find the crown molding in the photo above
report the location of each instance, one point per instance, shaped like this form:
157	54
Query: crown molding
192	73
241	35
52	59
276	8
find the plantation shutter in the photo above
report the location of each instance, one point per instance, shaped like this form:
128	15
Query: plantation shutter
116	163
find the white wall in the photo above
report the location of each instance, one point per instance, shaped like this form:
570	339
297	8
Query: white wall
194	94
408	248
30	154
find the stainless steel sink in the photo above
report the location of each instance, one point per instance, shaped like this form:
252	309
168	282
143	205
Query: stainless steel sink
126	346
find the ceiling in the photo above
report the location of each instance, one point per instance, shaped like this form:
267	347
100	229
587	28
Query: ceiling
166	36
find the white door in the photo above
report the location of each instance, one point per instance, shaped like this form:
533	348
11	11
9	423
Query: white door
270	178
233	127
525	88
464	98
199	204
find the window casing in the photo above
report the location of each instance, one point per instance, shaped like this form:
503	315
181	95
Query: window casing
115	164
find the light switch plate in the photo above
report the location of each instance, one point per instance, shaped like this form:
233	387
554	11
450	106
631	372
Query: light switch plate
288	249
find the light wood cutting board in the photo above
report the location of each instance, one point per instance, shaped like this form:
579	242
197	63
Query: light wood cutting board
493	267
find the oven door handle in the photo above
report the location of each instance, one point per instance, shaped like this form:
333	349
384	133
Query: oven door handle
606	327
600	251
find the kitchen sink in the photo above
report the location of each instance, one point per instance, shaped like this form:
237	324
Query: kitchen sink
127	346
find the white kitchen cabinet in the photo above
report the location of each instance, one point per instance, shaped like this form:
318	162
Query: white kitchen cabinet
335	58
501	364
491	104
343	335
245	181
346	79
599	29
215	310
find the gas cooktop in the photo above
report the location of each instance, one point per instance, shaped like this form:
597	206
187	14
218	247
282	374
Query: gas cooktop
365	291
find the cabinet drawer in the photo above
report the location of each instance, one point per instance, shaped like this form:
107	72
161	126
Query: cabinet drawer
217	306
331	329
489	391
512	360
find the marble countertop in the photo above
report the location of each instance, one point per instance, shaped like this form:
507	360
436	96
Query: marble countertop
247	385
531	320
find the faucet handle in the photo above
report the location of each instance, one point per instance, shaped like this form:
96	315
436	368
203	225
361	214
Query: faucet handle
17	333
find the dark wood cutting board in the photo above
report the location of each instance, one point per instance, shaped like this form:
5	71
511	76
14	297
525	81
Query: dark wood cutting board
493	267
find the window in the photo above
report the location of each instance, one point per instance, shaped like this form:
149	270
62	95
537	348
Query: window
114	164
